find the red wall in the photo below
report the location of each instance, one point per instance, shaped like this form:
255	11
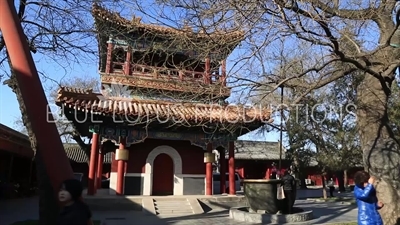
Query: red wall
351	172
192	156
255	169
315	176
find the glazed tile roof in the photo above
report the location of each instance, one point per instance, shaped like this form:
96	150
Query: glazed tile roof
75	153
105	15
15	142
191	113
258	150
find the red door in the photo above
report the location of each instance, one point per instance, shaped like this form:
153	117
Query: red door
163	175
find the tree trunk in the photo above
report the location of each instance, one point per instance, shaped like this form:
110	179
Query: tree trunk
345	179
340	180
381	153
324	194
301	173
48	203
302	178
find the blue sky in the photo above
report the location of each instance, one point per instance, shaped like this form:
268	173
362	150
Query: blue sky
8	102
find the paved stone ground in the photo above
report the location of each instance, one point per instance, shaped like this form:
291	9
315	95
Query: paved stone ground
24	209
301	194
323	212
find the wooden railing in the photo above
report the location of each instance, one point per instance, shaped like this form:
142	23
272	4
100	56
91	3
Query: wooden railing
164	73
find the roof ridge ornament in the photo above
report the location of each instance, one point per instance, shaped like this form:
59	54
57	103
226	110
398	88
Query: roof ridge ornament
75	90
136	19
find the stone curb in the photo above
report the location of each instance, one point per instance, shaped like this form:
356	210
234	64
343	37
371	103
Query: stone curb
339	223
239	214
342	200
329	200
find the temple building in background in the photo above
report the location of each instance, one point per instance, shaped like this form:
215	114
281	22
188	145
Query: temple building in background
162	110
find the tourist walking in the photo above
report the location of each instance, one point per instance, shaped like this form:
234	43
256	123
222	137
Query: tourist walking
74	211
289	187
331	186
367	202
273	171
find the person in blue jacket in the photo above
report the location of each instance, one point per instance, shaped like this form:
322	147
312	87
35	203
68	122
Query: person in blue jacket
367	202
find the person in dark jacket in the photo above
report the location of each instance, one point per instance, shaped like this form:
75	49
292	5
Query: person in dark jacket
273	171
74	211
331	186
367	202
289	186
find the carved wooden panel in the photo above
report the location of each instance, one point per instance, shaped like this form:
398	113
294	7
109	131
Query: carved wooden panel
169	85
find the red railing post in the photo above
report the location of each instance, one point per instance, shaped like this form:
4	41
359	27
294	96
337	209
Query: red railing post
223	72
109	61
128	61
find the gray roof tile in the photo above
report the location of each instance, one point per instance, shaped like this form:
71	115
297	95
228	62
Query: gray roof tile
258	150
76	154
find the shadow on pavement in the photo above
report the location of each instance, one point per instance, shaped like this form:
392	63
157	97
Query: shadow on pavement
121	210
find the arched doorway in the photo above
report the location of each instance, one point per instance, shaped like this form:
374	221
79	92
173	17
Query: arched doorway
149	169
163	175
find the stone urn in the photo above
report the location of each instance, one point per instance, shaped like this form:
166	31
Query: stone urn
261	195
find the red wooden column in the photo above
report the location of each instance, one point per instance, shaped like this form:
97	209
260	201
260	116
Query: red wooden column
110	48
232	186
128	61
209	172
222	169
100	162
92	164
122	155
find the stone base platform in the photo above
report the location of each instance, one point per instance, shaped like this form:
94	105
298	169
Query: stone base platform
242	214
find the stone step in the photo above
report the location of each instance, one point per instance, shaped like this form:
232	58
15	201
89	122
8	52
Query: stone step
172	204
174	210
169	202
173	215
177	211
172	207
176	207
170	199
